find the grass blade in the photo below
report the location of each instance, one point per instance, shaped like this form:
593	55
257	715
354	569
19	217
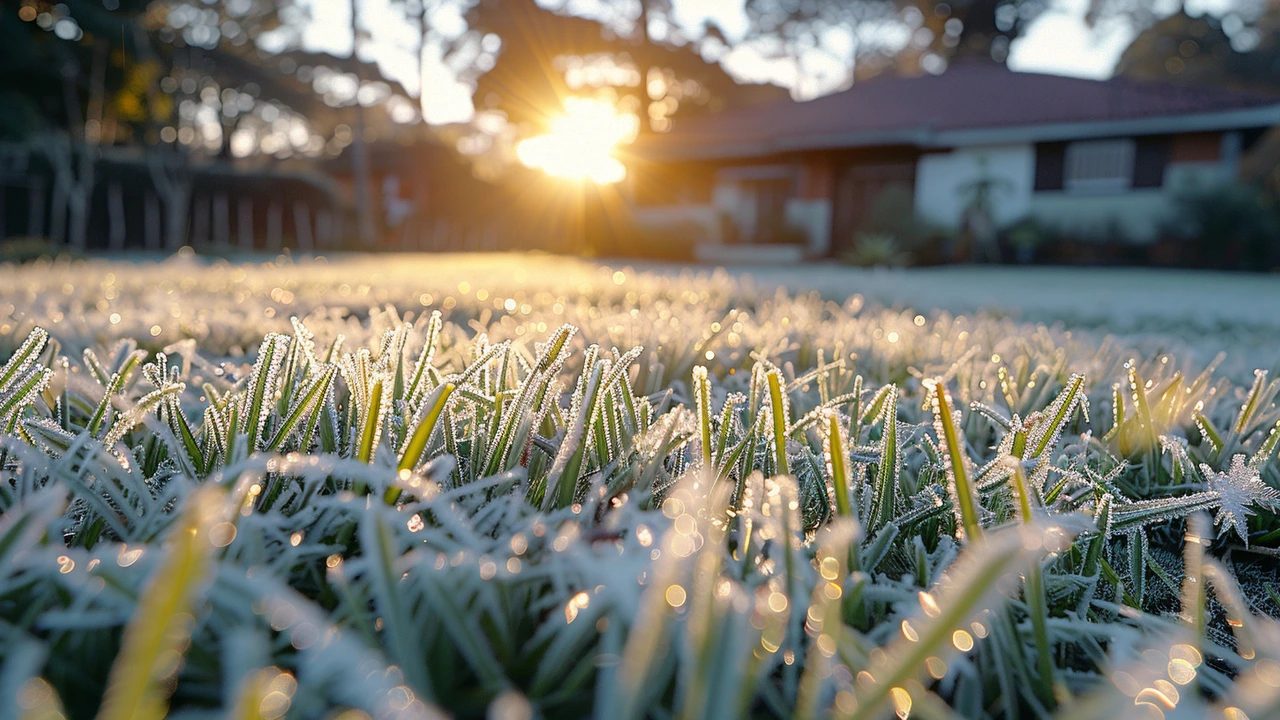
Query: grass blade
142	675
964	496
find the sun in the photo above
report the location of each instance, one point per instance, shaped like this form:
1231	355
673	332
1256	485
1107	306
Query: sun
581	143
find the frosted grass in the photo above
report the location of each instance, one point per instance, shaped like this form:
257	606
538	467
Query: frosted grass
458	485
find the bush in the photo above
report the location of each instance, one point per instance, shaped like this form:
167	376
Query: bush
892	235
786	234
877	250
25	249
1234	227
1025	237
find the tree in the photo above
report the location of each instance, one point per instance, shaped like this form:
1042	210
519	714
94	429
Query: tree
60	107
546	56
936	32
1199	50
183	79
792	27
359	156
74	166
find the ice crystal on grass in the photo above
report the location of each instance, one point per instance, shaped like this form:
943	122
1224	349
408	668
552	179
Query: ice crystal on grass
1239	490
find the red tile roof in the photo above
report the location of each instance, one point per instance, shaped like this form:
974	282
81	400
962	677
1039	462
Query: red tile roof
969	96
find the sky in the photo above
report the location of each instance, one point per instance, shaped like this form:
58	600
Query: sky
1058	42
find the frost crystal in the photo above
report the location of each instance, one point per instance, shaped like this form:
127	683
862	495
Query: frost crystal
1239	488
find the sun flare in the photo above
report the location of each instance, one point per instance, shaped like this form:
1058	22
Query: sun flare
582	143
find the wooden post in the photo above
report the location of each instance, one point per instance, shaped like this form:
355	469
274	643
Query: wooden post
275	227
324	228
58	214
200	229
35	210
177	211
221	221
302	226
244	222
116	228
151	218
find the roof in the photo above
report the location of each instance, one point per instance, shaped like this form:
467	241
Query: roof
971	103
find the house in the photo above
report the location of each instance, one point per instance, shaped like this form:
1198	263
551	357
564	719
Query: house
1089	158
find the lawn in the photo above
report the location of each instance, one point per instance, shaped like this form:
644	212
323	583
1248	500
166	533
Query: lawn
405	486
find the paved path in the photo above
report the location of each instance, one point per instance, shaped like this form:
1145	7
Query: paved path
1115	298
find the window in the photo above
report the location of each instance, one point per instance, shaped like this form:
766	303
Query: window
1050	160
769	197
755	202
1099	165
1150	157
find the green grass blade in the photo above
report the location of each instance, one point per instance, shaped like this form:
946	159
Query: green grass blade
369	429
885	488
942	626
778	405
702	402
964	496
417	443
562	480
160	627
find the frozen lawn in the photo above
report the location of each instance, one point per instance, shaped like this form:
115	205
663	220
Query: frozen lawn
227	305
529	486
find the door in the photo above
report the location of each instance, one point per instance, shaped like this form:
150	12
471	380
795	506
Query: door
858	186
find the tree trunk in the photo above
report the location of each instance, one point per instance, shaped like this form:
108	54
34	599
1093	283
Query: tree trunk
151	221
646	45
979	29
116	230
244	222
275	227
200	222
78	219
221	221
36	210
302	226
58	210
359	156
324	228
76	166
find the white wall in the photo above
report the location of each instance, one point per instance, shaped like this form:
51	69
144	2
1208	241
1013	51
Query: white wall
813	216
941	178
1138	214
1189	176
728	199
1133	214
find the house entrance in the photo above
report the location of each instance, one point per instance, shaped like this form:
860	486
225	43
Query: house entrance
859	185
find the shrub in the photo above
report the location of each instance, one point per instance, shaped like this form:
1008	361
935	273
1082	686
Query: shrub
892	214
25	249
1232	226
877	250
